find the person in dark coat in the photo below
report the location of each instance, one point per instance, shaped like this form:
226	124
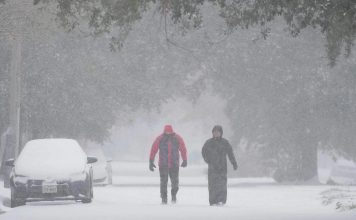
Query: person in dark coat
169	144
214	153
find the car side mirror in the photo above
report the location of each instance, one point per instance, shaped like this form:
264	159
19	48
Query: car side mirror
92	159
10	162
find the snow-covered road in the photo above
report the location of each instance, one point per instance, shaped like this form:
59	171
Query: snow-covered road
138	198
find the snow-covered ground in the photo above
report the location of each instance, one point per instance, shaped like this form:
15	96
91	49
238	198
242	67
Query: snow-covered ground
135	195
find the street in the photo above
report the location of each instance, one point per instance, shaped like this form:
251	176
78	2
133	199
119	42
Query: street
133	197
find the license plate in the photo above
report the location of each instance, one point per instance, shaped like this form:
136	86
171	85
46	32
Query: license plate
49	189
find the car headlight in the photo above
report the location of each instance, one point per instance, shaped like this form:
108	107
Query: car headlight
20	179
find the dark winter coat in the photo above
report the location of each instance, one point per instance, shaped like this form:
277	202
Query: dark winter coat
169	146
214	153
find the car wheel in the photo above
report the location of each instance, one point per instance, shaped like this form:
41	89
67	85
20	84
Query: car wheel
15	201
89	194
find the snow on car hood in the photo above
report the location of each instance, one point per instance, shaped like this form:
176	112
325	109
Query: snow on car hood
51	158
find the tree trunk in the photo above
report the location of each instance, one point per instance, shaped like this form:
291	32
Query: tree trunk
299	163
308	161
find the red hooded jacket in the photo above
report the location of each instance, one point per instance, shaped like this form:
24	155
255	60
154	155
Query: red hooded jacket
169	144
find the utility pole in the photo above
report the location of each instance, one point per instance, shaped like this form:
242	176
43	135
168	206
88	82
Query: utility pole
15	92
12	138
13	20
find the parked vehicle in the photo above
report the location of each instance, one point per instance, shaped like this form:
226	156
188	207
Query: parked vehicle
51	169
102	171
342	175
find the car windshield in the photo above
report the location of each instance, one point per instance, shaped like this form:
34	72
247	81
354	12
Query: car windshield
50	158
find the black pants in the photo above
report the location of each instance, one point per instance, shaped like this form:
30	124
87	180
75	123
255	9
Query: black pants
217	182
173	174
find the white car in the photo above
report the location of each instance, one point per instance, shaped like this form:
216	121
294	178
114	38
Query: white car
102	171
51	169
343	175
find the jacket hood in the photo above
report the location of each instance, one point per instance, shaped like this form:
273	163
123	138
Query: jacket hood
168	129
218	128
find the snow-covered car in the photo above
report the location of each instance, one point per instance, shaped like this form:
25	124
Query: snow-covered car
343	175
51	169
102	171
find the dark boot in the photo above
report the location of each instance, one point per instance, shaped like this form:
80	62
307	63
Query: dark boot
164	200
174	198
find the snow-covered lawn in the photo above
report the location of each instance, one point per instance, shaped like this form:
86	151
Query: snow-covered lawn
137	197
343	199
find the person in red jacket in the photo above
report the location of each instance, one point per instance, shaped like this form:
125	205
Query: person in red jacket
169	144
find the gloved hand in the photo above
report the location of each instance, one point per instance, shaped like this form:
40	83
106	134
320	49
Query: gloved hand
235	166
152	165
184	163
